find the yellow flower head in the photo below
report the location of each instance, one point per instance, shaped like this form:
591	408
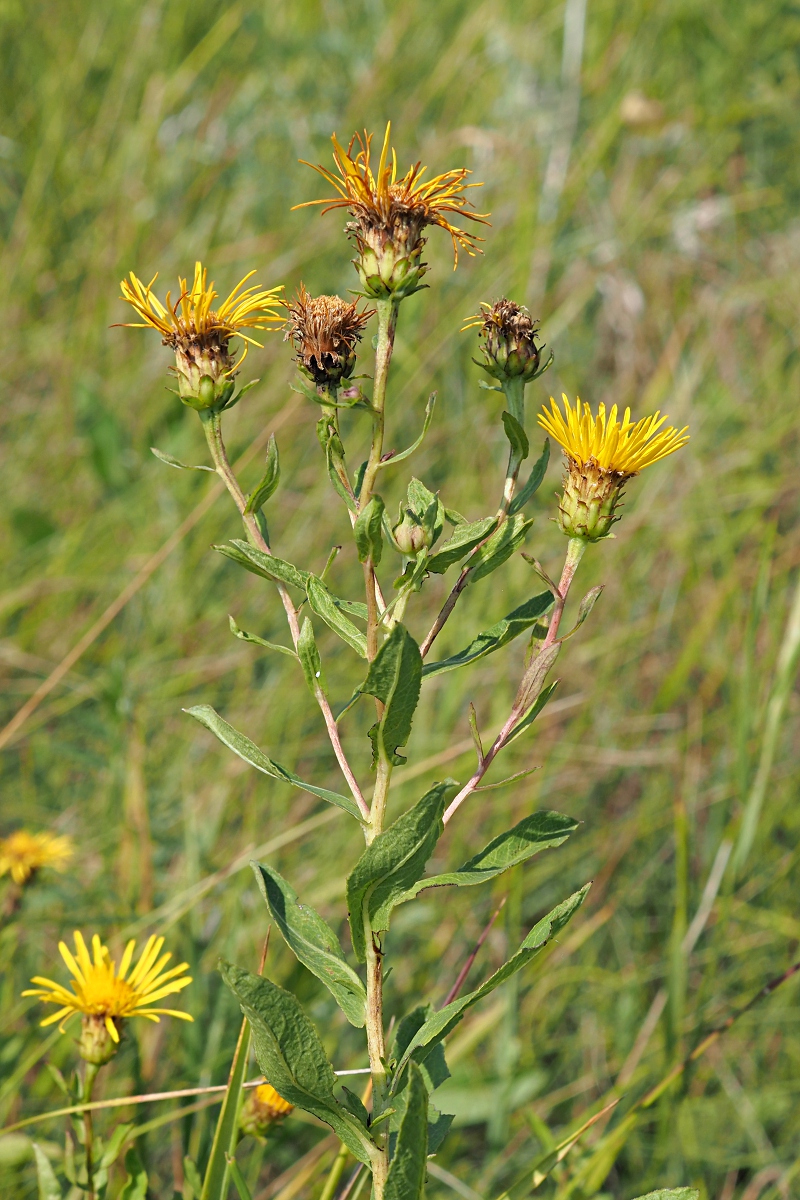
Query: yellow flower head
389	213
107	994
200	331
23	853
623	447
262	1108
602	454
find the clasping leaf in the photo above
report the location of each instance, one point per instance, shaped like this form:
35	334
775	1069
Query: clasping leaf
393	863
313	942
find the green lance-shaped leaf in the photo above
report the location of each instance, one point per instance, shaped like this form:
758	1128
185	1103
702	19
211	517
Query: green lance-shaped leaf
586	605
171	461
310	660
290	1055
532	713
135	1186
520	446
445	1020
466	537
368	533
49	1187
393	863
500	546
313	942
250	752
681	1193
268	566
269	480
406	1179
239	1181
497	636
533	482
540	831
396	458
394	678
324	605
253	638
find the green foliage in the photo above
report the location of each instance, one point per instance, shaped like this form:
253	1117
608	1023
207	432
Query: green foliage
394	678
496	636
445	1020
367	531
540	831
135	1186
250	753
664	273
269	480
313	941
290	1054
406	1179
393	863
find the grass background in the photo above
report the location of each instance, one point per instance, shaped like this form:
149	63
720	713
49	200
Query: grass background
643	181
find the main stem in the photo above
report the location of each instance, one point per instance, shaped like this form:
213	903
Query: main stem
89	1076
387	325
212	426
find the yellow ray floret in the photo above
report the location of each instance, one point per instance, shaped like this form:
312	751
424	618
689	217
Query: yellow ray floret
22	853
194	315
378	196
101	989
626	447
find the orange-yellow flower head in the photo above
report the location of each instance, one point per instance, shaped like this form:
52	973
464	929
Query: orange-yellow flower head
389	213
106	994
23	854
602	454
262	1108
200	331
325	331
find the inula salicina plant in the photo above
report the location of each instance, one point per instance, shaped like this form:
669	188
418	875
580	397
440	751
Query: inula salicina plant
389	1131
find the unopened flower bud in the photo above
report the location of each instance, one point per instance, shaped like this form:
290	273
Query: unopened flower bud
262	1108
96	1044
507	341
410	537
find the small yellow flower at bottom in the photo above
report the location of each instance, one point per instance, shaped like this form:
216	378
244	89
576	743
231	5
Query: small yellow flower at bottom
23	853
106	994
602	453
262	1108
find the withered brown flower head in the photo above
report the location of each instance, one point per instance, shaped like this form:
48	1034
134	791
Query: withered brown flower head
389	214
325	331
508	335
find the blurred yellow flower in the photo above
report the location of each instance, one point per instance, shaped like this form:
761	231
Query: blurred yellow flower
109	994
262	1108
623	447
23	853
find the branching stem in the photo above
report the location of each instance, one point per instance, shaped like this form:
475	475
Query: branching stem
575	551
212	425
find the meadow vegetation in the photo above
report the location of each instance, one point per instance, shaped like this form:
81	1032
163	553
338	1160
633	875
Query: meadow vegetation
639	161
